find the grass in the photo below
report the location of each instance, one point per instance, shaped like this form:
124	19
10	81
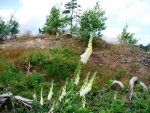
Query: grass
58	64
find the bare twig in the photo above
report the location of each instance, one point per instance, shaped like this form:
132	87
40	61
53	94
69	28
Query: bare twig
28	69
119	83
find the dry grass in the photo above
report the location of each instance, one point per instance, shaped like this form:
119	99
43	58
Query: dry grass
26	35
107	59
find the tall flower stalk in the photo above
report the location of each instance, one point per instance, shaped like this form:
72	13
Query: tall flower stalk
77	73
52	108
87	86
63	92
85	56
50	92
41	100
83	102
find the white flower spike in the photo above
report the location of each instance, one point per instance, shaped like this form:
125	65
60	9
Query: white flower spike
87	86
78	71
63	93
50	92
41	101
52	108
85	56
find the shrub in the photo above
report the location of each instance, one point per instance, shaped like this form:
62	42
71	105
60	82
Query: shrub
36	58
33	80
54	21
11	75
63	62
92	20
127	37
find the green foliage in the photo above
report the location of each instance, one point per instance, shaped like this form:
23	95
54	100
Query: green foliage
92	20
61	63
13	25
33	80
72	9
11	75
120	73
36	58
145	48
75	30
127	37
3	29
9	28
54	21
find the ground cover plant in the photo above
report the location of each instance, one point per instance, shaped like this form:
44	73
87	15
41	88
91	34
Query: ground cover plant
67	90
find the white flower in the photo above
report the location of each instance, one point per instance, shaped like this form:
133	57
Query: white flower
87	86
50	92
77	79
63	93
41	101
77	72
85	90
85	56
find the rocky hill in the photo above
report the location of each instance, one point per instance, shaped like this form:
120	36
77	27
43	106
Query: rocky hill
112	61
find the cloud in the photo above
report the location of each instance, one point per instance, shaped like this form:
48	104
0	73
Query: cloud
111	35
146	19
32	15
133	11
6	13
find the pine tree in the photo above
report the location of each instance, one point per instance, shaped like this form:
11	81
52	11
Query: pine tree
72	10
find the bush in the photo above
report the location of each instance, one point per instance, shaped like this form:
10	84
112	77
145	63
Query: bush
11	75
3	29
54	21
32	81
9	28
36	58
127	37
63	62
92	20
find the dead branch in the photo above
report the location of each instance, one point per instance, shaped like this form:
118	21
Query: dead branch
5	96
28	69
119	83
132	81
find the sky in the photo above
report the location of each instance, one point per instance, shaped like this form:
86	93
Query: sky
31	15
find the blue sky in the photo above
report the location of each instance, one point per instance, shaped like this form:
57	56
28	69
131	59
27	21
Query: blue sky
10	4
31	15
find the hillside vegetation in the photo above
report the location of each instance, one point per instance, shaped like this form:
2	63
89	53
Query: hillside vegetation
29	63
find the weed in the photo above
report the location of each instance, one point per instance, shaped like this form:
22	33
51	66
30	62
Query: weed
11	75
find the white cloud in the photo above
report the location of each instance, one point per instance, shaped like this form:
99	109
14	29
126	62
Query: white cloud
133	29
133	11
32	15
110	35
146	19
6	13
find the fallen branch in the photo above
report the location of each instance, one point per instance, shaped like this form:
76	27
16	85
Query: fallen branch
5	96
119	83
23	99
132	81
